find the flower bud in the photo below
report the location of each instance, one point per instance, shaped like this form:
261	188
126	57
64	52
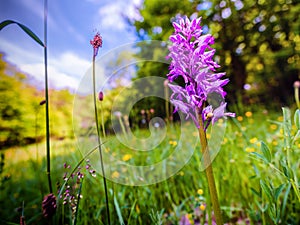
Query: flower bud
49	205
100	96
42	102
297	84
166	83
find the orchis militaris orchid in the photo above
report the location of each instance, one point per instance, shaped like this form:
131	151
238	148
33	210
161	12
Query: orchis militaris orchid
202	97
192	59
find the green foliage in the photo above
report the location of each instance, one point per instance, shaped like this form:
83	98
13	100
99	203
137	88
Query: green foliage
21	115
257	42
273	194
284	165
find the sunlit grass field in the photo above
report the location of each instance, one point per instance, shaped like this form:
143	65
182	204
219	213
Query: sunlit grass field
238	174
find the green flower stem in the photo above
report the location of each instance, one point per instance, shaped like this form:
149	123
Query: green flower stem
122	126
47	97
209	173
167	102
102	119
99	141
297	97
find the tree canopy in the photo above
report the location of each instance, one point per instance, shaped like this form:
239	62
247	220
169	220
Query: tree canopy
21	115
257	42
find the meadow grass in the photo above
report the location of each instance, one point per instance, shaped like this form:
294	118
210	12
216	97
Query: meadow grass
237	172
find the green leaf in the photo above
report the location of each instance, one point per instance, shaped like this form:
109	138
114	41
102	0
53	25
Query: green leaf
259	156
255	192
266	152
297	119
24	28
287	126
272	212
78	201
267	190
278	191
131	211
285	199
286	170
118	211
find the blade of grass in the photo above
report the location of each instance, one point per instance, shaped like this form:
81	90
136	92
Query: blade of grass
131	211
118	211
78	201
24	28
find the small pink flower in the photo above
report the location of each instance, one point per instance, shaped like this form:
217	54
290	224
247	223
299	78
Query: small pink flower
96	43
49	205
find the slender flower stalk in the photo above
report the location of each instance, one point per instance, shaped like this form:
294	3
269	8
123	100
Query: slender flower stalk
47	96
100	97
166	90
209	173
202	97
97	43
296	88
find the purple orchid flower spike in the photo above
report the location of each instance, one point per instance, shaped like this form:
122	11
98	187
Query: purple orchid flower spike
191	57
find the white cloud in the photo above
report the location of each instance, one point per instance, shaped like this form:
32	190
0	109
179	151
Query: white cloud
65	71
15	54
110	17
56	78
71	63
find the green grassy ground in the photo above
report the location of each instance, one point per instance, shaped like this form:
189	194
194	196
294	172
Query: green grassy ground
238	173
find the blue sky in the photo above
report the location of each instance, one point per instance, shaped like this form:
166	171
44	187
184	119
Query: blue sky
71	25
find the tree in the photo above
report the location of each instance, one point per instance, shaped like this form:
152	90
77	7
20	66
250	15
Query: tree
257	42
21	115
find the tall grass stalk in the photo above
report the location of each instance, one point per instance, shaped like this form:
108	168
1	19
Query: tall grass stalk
166	92
209	172
99	141
47	96
102	119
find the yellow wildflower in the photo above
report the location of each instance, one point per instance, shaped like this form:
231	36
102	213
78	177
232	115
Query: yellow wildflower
200	191
239	118
126	157
248	114
273	126
202	207
253	140
250	149
115	174
225	140
173	143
